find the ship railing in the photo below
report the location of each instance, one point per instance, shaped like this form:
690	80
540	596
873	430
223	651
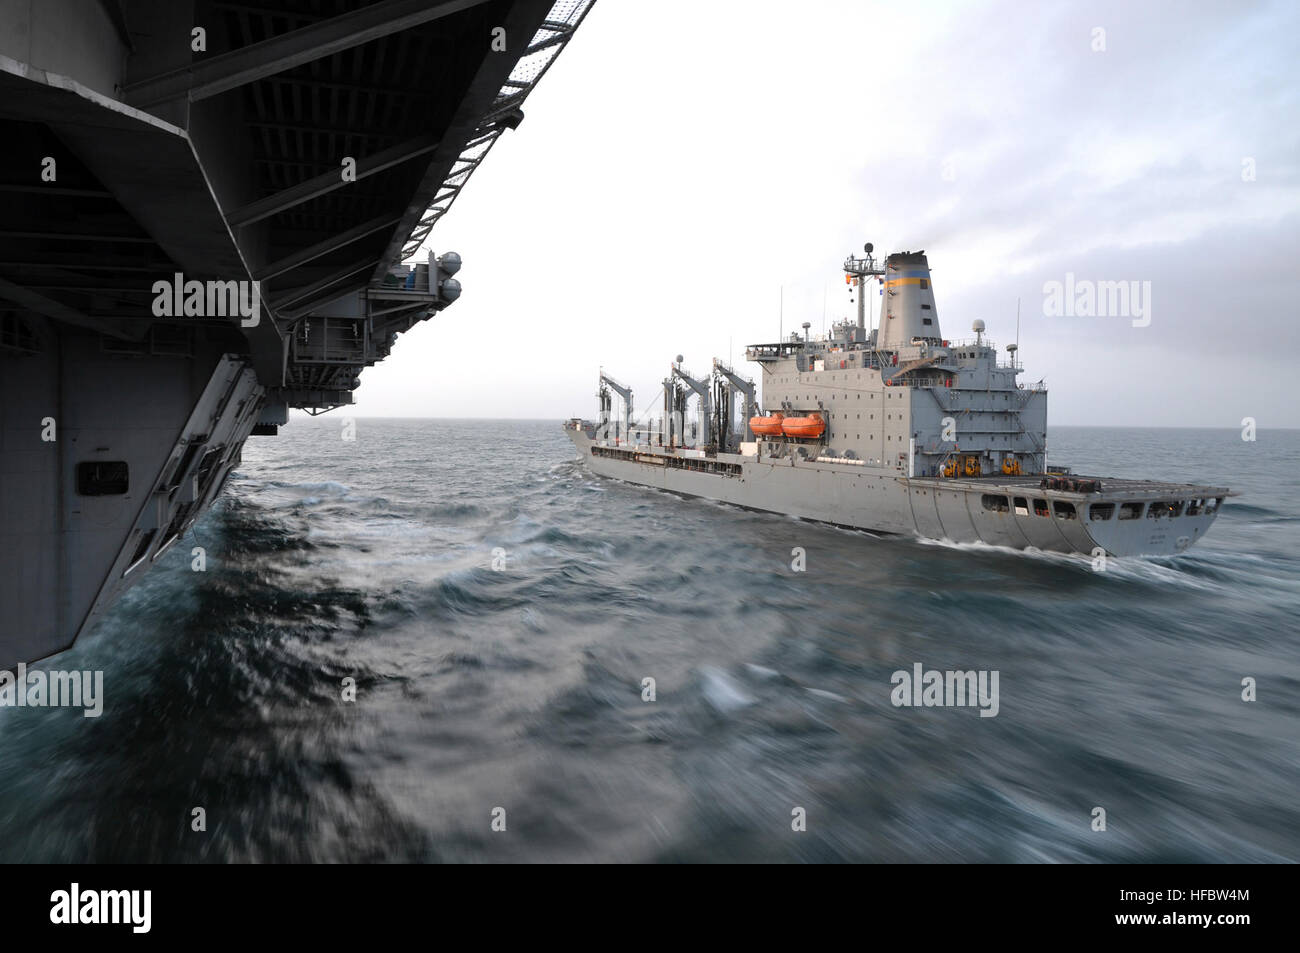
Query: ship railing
536	58
972	342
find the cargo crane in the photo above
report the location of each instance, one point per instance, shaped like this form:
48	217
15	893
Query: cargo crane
729	385
701	388
608	384
674	411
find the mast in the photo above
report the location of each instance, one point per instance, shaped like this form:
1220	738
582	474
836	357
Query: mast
862	269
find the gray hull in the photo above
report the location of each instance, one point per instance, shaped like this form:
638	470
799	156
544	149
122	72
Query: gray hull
999	511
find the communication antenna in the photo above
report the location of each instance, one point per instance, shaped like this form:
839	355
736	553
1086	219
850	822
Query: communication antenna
781	327
1015	348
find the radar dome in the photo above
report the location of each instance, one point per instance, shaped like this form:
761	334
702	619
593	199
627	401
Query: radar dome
978	326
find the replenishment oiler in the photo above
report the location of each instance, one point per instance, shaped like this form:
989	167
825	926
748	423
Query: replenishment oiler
893	430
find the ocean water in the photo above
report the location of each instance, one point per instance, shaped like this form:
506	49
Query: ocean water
520	687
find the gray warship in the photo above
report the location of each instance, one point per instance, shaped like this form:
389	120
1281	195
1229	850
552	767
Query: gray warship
894	430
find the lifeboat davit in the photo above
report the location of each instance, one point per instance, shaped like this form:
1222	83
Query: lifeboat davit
803	426
767	426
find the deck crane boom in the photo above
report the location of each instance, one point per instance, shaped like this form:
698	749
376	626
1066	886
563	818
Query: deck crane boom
735	384
672	421
701	389
607	384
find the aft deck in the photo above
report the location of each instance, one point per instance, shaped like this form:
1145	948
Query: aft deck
1116	498
1112	488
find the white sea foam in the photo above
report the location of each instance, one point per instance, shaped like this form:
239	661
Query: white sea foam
722	691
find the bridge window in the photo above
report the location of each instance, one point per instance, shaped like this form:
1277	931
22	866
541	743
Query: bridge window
1064	511
1040	508
1212	506
1022	506
102	478
1130	511
1101	511
1163	509
994	503
1194	507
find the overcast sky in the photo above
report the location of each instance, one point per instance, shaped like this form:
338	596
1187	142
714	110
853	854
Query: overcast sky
682	161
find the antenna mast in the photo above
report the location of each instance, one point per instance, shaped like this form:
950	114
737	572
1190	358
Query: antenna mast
1014	349
862	269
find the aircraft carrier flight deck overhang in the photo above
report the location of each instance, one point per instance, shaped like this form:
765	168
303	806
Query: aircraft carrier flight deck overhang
205	208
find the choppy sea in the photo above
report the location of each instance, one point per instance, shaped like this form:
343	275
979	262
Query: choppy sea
499	609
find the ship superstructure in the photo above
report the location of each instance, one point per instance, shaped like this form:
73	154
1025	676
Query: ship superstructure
895	429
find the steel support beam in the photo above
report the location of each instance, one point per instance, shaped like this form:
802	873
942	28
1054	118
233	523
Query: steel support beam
80	237
329	181
248	64
290	262
408	306
57	310
306	293
550	41
79	262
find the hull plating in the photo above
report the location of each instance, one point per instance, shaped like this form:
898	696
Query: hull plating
930	508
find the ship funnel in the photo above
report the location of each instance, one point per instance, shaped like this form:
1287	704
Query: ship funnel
907	306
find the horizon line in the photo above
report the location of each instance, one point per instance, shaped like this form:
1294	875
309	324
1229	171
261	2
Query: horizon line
561	419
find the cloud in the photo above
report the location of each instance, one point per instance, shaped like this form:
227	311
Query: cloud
670	187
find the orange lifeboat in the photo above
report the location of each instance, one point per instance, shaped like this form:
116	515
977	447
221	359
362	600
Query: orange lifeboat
766	426
803	426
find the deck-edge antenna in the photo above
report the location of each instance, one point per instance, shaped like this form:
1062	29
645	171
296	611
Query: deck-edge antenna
780	328
1014	349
